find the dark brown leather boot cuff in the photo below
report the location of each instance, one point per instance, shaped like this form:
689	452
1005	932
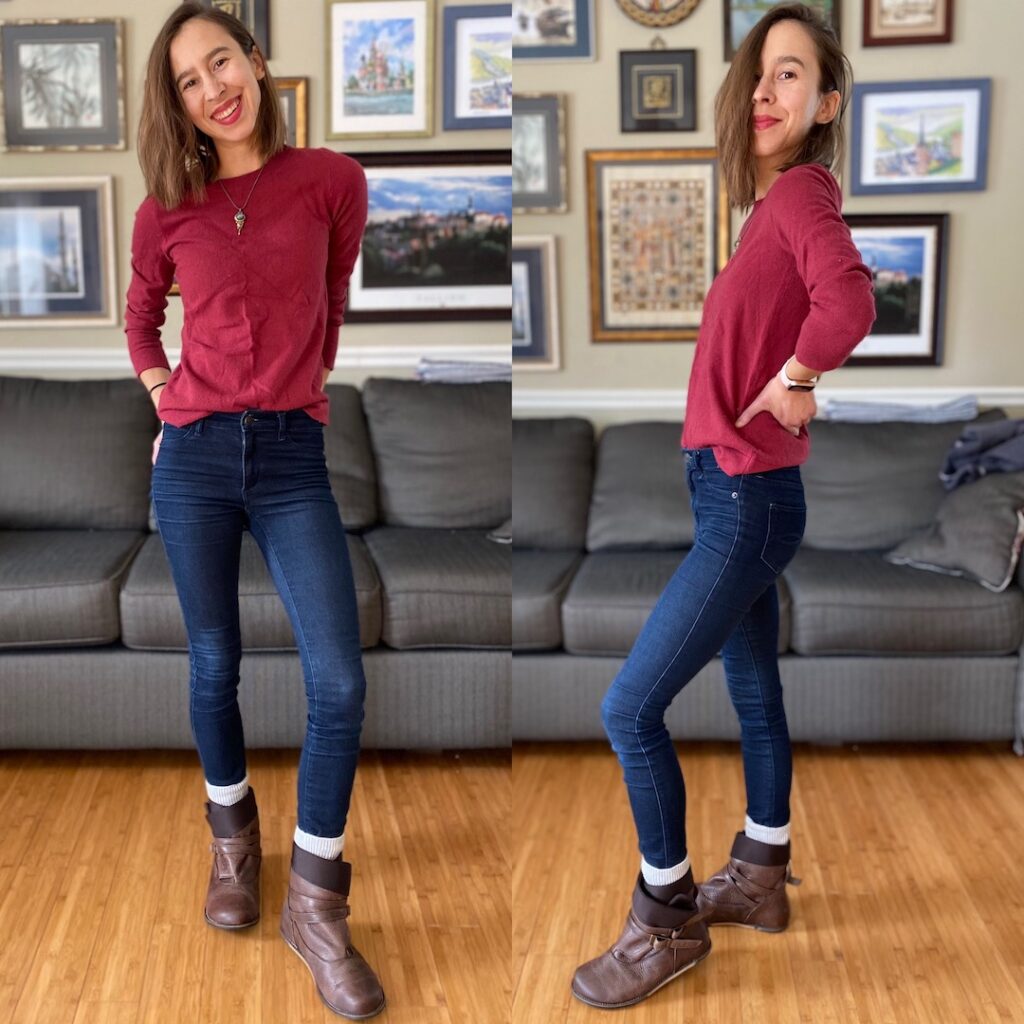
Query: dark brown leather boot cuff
335	874
753	851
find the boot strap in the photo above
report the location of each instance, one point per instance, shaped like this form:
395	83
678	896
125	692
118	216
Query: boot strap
675	940
316	916
237	845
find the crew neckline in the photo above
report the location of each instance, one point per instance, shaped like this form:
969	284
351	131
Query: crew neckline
248	174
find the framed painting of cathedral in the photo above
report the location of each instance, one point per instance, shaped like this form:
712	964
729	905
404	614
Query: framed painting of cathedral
380	60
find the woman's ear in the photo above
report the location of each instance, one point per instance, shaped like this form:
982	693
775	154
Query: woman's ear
258	67
828	107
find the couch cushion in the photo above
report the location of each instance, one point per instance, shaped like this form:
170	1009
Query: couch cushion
870	485
349	458
442	588
539	582
443	451
553	468
151	615
640	497
75	454
59	588
613	593
855	602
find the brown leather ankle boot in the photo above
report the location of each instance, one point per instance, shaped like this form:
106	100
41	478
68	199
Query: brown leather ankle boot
750	891
658	943
233	895
313	923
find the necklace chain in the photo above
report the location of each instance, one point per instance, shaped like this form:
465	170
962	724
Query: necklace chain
240	214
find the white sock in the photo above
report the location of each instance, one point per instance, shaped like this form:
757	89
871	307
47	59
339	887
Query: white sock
664	876
228	795
764	834
323	846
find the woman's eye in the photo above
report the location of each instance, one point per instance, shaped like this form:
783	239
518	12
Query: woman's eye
220	60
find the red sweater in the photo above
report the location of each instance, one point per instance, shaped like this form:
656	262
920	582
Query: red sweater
795	286
262	308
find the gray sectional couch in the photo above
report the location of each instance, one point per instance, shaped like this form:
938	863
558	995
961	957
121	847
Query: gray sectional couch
93	651
869	650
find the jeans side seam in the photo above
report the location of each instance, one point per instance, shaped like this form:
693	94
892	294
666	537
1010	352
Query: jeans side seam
764	714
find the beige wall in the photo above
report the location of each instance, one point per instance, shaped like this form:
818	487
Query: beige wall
984	343
297	43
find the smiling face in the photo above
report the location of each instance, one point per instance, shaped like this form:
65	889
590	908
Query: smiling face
218	84
786	102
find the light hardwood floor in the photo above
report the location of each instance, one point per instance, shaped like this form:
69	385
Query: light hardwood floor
104	860
911	909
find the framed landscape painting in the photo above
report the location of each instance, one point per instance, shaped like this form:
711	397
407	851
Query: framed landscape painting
538	153
907	255
478	67
742	15
380	60
438	238
57	266
899	23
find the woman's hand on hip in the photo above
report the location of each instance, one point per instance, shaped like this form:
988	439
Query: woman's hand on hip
792	409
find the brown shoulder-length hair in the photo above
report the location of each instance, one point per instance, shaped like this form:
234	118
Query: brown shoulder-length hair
177	158
733	126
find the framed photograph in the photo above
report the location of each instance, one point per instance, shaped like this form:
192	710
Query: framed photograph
293	94
658	232
553	30
438	238
899	23
907	256
929	136
380	59
657	13
535	343
538	153
253	14
62	84
742	15
478	67
658	90
57	266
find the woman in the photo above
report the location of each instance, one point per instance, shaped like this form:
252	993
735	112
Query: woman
261	238
793	302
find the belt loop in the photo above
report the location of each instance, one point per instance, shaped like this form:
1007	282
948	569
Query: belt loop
280	426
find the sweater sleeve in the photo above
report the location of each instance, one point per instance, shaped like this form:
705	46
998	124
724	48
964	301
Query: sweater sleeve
807	212
152	276
348	222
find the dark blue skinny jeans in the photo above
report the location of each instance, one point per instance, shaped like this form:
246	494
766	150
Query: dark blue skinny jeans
722	598
264	472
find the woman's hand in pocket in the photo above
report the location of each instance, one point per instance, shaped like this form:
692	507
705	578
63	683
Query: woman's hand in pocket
792	409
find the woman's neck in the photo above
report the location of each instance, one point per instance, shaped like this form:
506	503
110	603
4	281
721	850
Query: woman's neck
232	161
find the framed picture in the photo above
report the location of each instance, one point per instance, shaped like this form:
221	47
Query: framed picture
658	90
438	237
380	56
538	153
553	30
253	14
62	84
742	15
658	232
478	67
907	256
898	23
57	266
535	344
657	13
929	136
293	94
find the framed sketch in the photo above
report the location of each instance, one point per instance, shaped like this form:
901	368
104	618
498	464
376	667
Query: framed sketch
899	23
62	84
658	232
929	136
535	343
438	237
57	266
293	94
538	153
478	67
253	14
553	30
907	256
742	15
380	59
658	90
657	13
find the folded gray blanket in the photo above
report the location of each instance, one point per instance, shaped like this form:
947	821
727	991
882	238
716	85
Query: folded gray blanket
996	447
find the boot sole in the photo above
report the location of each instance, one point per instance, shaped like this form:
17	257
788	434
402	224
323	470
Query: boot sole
349	1016
740	924
646	995
230	927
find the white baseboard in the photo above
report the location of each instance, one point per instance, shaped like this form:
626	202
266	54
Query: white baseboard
674	400
57	362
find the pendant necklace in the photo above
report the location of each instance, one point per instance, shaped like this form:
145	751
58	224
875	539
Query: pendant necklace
239	214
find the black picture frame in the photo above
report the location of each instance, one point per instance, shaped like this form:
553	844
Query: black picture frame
535	333
539	157
253	14
658	90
